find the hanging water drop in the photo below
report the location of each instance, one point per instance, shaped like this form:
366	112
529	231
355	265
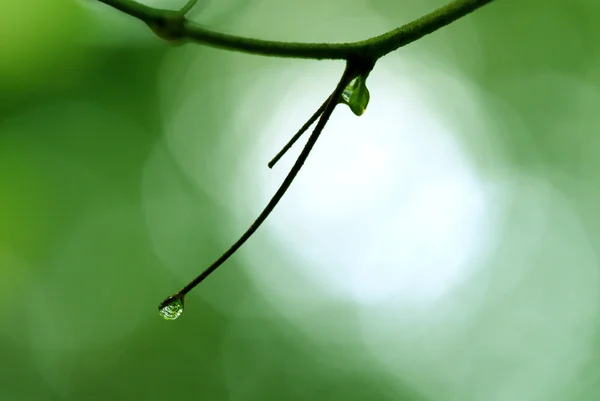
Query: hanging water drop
171	308
356	95
348	90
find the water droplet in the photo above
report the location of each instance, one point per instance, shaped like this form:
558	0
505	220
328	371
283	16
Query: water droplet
356	95
348	90
171	308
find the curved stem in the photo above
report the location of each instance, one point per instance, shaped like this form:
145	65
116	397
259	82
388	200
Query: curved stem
375	47
188	7
350	73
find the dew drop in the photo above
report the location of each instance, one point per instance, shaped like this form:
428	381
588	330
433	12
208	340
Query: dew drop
171	308
348	90
356	95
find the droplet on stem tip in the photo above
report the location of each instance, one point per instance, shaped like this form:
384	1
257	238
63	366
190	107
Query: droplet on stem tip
171	308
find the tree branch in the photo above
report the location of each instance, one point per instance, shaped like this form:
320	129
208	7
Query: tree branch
172	25
182	28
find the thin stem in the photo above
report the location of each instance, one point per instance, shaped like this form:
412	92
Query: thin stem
375	47
298	134
188	7
350	73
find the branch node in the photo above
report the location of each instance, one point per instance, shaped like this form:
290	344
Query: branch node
169	25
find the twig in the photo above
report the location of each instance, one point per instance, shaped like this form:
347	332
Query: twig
360	59
188	7
373	48
350	72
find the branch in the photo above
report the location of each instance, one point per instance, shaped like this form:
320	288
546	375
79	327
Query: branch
360	57
176	27
352	70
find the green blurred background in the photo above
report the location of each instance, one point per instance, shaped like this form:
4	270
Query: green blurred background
444	246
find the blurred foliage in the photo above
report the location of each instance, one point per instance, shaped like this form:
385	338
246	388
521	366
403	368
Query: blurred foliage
120	162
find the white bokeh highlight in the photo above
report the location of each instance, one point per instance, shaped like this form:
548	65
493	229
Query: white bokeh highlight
386	206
